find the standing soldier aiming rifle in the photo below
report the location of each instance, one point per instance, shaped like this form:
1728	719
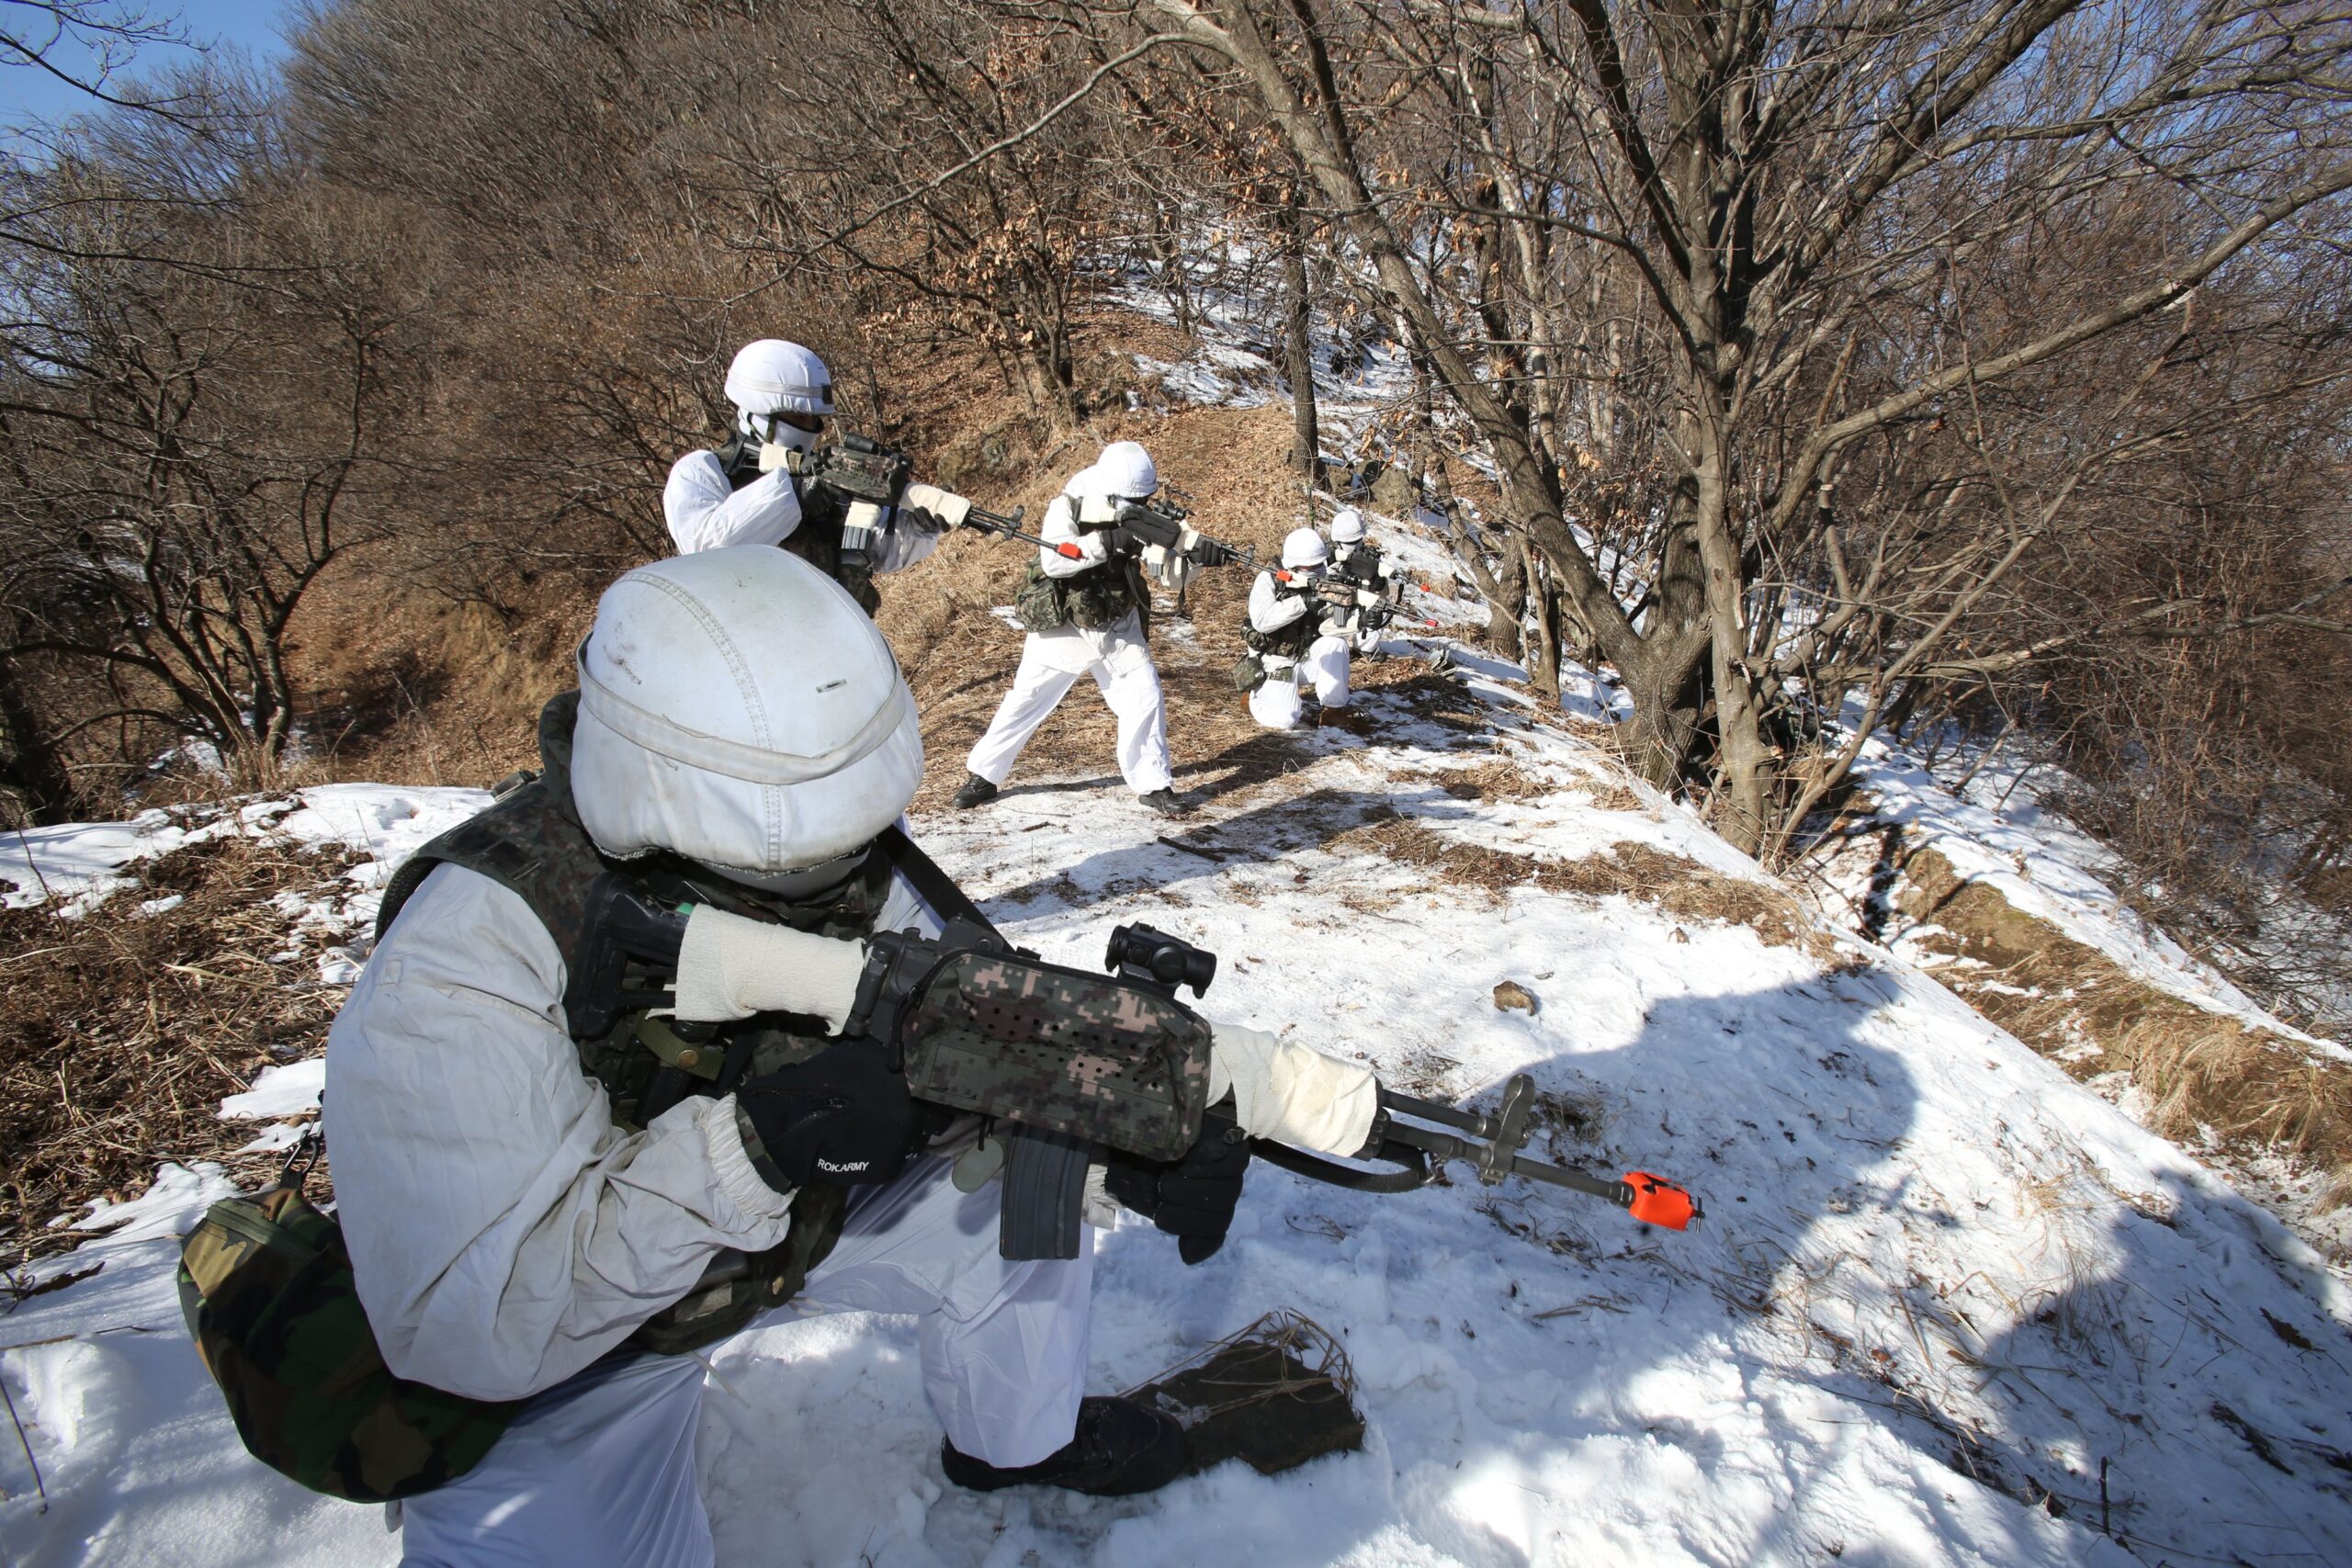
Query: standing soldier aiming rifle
1085	604
848	511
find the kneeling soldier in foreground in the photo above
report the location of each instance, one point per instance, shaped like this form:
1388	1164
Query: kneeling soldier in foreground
577	1133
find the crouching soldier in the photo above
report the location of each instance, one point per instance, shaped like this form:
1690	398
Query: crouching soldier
1298	638
565	1154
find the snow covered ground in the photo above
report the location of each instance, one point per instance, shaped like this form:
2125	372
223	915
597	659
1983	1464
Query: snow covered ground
1236	358
1947	1307
1995	829
77	865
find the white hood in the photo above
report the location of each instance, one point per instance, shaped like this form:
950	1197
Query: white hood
737	708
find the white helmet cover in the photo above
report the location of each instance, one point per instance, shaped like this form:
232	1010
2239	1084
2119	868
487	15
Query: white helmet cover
1124	470
1347	526
737	708
1304	547
772	376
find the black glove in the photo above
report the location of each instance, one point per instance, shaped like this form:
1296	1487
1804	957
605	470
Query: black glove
843	1116
1191	1198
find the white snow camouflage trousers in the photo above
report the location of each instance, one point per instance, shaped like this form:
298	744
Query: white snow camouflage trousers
1051	662
601	1470
1276	705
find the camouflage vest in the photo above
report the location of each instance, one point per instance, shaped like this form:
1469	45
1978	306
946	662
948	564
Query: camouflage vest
818	540
1093	600
1289	642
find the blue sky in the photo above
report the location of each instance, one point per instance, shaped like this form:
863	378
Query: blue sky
29	95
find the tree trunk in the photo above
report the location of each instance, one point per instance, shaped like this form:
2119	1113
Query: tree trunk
1506	593
1298	345
1507	605
1744	758
32	776
1543	667
1669	683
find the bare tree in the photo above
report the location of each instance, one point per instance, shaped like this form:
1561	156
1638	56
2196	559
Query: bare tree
1752	195
191	399
88	45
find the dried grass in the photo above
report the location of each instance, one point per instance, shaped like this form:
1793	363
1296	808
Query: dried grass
1638	871
1489	782
120	1031
1502	780
2201	1072
1612	795
415	690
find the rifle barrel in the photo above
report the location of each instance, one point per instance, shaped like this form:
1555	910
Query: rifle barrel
1493	1145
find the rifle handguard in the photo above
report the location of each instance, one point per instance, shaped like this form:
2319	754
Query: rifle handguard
978	1025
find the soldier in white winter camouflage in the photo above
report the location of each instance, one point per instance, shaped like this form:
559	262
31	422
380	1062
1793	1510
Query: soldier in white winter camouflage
631	1064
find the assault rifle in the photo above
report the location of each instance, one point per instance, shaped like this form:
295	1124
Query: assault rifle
1361	568
867	474
1062	1063
1374	606
1133	526
870	480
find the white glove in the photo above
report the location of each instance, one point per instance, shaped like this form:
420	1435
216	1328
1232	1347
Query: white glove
944	504
1169	569
1289	1093
729	967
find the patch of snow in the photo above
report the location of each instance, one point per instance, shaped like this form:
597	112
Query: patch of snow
290	1090
169	1208
273	1139
1997	831
339	965
79	864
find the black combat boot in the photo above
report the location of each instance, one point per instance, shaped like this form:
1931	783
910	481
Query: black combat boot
977	791
1163	801
1121	1449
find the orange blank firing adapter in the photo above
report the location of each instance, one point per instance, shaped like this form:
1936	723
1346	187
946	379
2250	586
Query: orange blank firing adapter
1658	1202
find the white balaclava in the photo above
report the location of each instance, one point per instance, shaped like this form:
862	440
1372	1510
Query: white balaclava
772	376
1302	549
737	708
1347	526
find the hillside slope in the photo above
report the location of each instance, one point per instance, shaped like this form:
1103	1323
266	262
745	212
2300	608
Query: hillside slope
1949	1305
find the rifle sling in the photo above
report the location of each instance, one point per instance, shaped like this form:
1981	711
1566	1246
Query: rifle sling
938	889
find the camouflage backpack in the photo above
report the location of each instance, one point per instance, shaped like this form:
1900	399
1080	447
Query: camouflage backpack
265	1285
